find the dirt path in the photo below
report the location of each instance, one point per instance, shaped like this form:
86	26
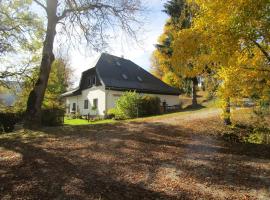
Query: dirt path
185	118
179	157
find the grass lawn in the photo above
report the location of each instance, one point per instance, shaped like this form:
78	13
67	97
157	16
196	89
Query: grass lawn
74	122
208	105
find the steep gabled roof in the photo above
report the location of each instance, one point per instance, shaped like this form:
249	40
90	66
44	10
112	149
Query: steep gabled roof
122	74
117	73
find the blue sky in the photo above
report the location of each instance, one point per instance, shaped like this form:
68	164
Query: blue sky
138	53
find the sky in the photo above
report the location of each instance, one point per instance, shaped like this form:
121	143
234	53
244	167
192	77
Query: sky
138	53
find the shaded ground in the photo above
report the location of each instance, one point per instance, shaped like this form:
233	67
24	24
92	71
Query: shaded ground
172	157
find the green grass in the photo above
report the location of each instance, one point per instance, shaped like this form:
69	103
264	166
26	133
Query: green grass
208	106
75	122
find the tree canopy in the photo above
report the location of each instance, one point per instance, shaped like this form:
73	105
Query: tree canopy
21	33
233	41
174	73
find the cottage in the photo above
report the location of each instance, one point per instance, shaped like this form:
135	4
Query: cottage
102	85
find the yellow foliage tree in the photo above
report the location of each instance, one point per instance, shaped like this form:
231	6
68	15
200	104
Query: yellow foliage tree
180	12
235	42
190	56
161	57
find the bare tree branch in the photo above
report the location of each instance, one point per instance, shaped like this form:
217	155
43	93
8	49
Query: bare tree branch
82	20
40	4
257	69
266	54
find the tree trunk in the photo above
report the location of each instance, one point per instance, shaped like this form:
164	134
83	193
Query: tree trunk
36	96
194	93
227	112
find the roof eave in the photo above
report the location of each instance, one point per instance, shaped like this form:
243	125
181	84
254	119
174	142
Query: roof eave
142	90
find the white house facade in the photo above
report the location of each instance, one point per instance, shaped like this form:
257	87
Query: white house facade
102	85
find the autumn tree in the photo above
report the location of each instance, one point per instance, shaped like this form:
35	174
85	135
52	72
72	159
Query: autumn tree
180	12
88	18
234	41
190	56
161	62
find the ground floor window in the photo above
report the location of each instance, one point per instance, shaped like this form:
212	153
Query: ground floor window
86	104
95	103
74	107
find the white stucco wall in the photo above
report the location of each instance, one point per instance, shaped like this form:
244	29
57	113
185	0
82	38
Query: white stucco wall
89	94
107	100
112	96
71	100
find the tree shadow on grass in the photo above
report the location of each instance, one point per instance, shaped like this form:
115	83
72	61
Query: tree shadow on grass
127	161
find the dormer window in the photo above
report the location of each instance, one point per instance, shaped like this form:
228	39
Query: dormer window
139	78
124	76
92	81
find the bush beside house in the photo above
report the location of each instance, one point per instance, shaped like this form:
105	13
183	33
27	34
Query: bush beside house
149	105
131	105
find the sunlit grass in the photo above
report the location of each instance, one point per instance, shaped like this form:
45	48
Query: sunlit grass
75	122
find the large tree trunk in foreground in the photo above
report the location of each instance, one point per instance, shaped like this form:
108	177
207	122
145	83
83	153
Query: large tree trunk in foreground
227	112
194	93
36	96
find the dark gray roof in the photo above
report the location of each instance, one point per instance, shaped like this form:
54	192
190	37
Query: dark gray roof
111	70
117	73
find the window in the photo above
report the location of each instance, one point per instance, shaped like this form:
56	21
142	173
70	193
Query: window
95	103
118	63
124	76
92	81
74	107
86	104
139	78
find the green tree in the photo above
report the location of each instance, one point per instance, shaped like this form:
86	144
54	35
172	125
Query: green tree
21	32
58	83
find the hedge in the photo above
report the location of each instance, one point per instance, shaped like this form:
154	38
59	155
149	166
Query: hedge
149	105
8	121
132	105
50	117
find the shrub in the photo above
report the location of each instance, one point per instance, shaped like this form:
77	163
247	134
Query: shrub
111	113
131	105
149	105
8	121
52	117
127	106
